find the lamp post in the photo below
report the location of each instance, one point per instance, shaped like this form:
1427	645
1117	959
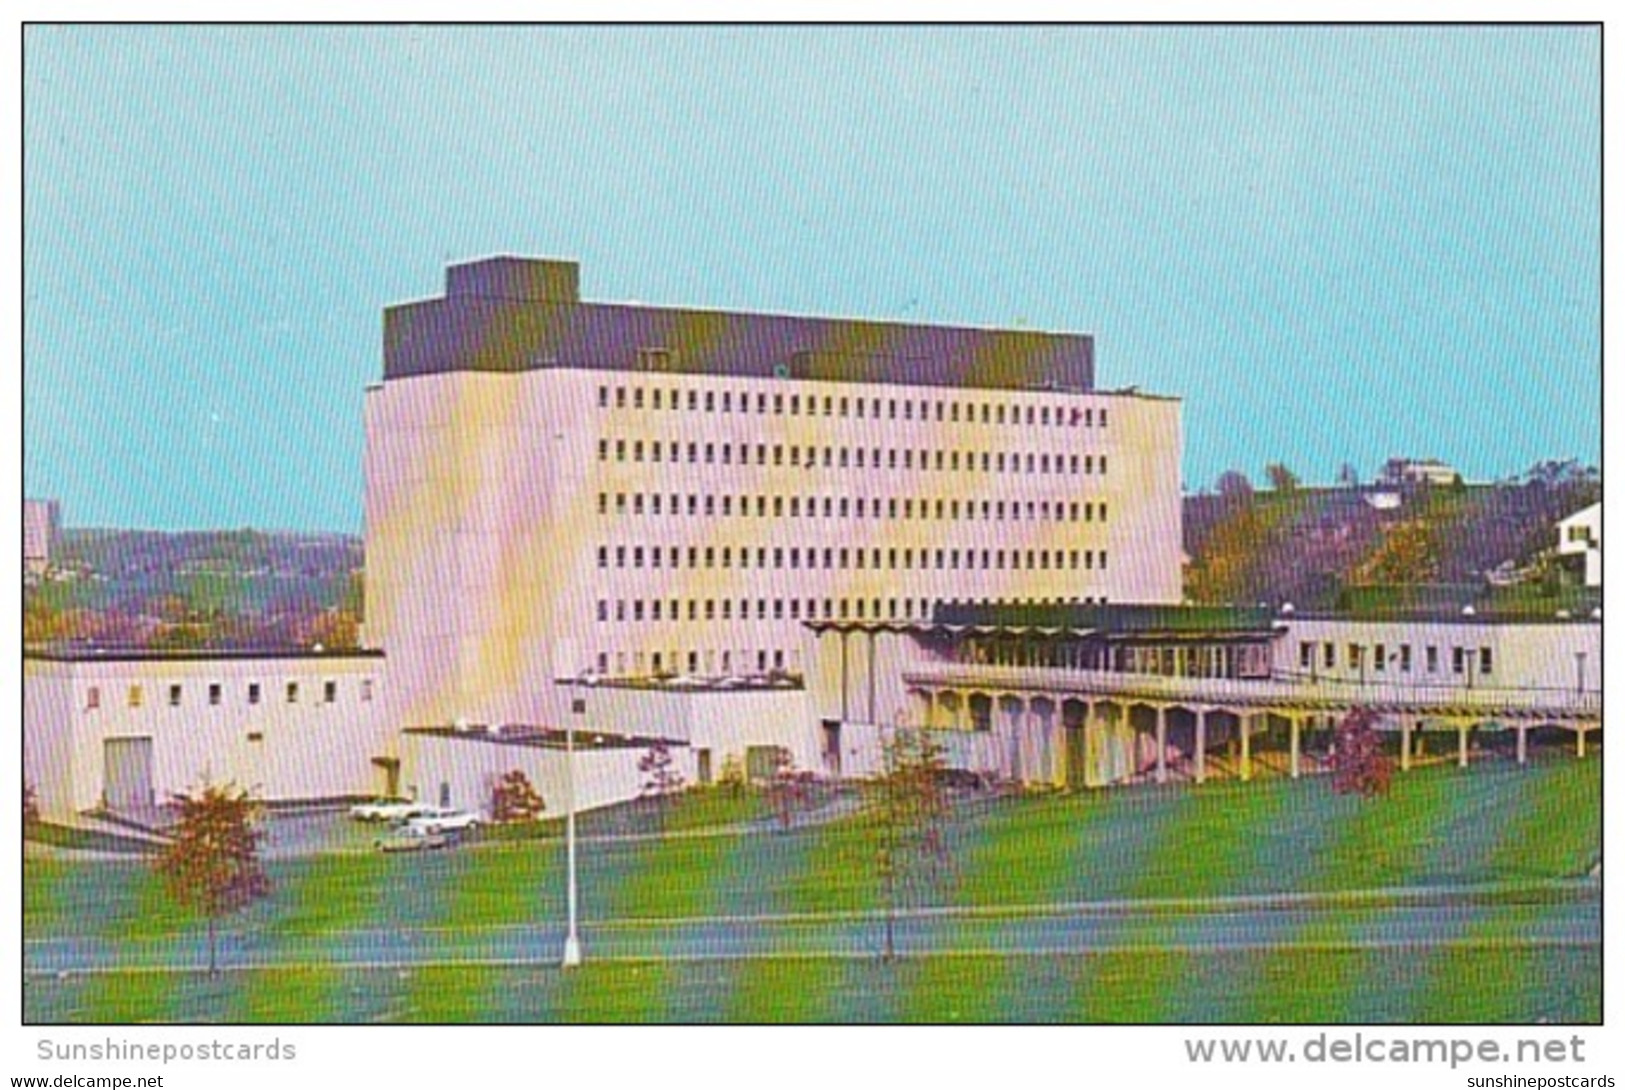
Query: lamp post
572	938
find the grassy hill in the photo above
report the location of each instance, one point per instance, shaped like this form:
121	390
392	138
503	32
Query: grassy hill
1341	547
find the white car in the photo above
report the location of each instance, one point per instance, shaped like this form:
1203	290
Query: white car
388	810
405	838
436	819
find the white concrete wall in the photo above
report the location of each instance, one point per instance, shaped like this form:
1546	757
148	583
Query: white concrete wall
726	722
308	749
471	766
1543	655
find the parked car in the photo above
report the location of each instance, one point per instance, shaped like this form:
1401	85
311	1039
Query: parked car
388	809
406	838
440	820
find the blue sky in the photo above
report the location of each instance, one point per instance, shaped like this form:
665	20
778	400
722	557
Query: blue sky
1337	244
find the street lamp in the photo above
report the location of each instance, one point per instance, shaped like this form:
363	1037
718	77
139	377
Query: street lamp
572	938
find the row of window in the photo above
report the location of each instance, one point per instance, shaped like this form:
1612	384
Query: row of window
794	609
1478	661
660	662
845	507
872	408
215	694
908	458
888	559
726	662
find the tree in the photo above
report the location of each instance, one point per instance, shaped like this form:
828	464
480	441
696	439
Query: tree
732	777
790	787
1358	764
335	630
1281	478
515	798
211	864
661	780
1233	484
30	806
908	812
1408	553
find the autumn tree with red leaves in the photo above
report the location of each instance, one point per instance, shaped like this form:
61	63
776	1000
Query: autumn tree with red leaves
211	864
515	798
1358	764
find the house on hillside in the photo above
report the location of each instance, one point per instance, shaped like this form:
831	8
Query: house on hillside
1418	471
1581	535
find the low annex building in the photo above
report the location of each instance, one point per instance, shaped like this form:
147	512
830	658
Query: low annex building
1092	695
125	730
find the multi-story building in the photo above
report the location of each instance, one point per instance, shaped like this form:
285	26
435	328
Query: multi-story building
558	489
41	521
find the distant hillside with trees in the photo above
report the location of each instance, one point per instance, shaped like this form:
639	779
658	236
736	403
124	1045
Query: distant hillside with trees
199	589
1337	547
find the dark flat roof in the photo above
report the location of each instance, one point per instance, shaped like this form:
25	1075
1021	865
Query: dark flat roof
543	737
510	314
1126	619
105	653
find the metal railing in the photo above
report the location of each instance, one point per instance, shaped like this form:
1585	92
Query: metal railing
1277	689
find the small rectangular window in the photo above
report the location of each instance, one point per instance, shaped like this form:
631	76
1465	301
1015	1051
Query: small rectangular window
214	693
330	692
174	696
253	692
293	692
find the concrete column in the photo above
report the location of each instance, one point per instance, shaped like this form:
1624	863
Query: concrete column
1523	744
1461	745
1201	745
1162	744
1405	724
1580	741
1297	745
1245	723
1091	771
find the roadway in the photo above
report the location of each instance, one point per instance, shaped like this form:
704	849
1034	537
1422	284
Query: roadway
1568	914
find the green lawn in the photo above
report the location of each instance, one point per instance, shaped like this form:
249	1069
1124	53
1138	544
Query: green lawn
1495	986
1440	825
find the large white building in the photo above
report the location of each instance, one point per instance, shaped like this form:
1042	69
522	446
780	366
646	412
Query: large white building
558	489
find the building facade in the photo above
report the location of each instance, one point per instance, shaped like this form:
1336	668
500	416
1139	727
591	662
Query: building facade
1089	695
41	523
1581	535
558	489
126	731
